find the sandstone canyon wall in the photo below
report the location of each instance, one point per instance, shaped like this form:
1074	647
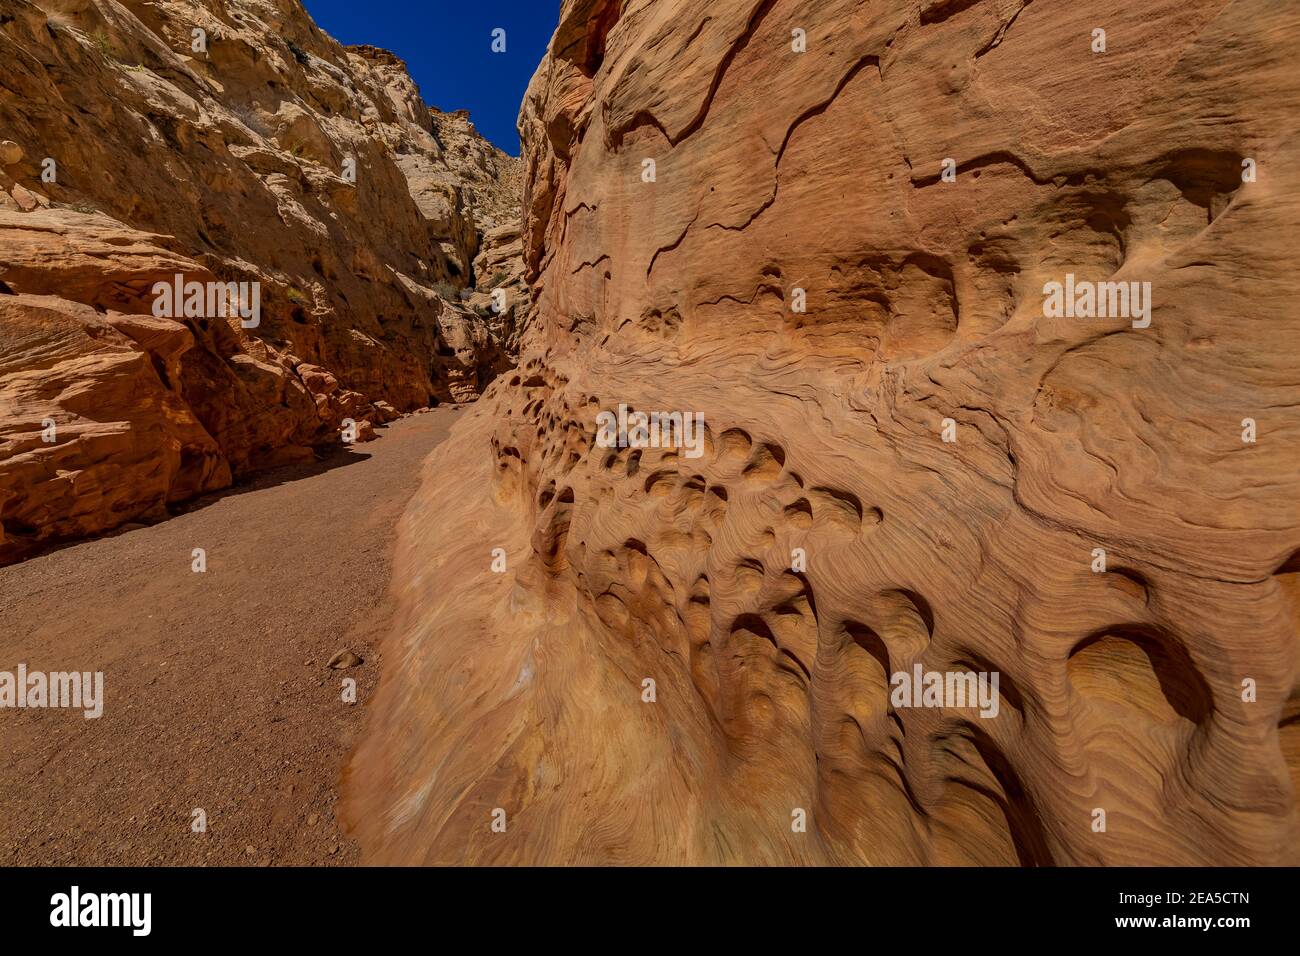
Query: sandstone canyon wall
130	155
1125	690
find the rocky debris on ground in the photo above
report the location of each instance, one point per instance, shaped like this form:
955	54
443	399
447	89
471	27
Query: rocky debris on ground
343	659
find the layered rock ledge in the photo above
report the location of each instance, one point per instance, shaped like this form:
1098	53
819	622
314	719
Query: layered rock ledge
229	142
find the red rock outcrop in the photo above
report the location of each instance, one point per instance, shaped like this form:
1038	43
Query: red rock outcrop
924	468
232	142
91	428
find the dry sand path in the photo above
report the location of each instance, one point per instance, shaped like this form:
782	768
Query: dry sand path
217	694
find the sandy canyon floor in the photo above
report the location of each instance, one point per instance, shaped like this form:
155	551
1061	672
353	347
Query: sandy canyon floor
217	691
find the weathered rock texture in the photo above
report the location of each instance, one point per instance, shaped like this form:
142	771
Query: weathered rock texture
503	297
1121	691
227	164
490	180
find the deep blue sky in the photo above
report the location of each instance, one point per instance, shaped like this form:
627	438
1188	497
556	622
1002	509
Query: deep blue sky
448	48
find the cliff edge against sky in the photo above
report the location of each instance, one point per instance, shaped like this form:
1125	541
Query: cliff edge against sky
225	142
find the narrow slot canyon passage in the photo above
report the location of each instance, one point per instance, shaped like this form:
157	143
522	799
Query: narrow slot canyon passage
217	691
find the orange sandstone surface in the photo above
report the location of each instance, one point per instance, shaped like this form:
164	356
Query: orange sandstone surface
923	467
267	153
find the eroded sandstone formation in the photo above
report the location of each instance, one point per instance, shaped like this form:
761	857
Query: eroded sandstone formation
1161	690
257	150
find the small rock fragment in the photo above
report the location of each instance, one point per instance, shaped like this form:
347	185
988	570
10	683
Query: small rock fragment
343	658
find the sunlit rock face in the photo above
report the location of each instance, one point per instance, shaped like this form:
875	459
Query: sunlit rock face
918	457
231	141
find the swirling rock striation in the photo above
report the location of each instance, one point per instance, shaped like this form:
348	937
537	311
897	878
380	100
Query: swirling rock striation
952	463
